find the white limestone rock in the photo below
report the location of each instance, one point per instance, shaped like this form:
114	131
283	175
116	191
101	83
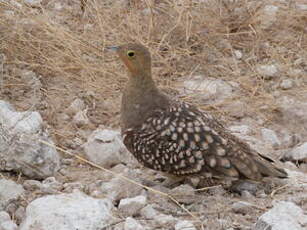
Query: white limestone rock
284	215
9	192
105	148
6	223
21	149
132	224
67	211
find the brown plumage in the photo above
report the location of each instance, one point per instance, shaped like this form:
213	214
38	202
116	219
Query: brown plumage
175	137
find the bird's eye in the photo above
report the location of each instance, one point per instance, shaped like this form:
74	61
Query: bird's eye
130	53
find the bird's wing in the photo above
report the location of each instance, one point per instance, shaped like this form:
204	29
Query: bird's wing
183	140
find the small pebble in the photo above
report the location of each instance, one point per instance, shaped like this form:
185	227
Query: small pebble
242	207
132	224
286	84
67	161
184	225
76	106
238	54
131	206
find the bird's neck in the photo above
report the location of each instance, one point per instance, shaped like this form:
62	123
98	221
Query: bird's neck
140	98
140	83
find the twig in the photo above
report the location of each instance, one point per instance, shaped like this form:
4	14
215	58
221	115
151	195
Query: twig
277	189
207	188
125	178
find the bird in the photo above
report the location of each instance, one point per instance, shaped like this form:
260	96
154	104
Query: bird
175	137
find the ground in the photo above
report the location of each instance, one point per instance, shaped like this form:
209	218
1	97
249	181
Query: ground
53	53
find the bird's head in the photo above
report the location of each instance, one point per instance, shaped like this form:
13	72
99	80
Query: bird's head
136	57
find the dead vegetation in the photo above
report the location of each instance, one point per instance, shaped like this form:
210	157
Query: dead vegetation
185	37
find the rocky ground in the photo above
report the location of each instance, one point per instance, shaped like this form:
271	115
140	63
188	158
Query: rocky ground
63	164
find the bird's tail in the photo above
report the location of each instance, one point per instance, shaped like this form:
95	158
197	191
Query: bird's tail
267	168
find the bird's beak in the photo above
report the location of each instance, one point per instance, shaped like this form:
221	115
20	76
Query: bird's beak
112	48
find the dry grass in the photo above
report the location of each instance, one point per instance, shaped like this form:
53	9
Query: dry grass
185	37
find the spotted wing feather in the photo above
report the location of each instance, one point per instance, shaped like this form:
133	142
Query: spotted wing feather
183	140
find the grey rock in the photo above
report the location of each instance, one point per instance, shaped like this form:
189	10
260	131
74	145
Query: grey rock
184	225
208	89
20	146
132	206
104	147
6	223
67	211
132	224
284	215
9	192
268	71
242	207
297	154
269	136
19	122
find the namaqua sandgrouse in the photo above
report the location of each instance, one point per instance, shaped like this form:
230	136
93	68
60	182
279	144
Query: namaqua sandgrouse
174	137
